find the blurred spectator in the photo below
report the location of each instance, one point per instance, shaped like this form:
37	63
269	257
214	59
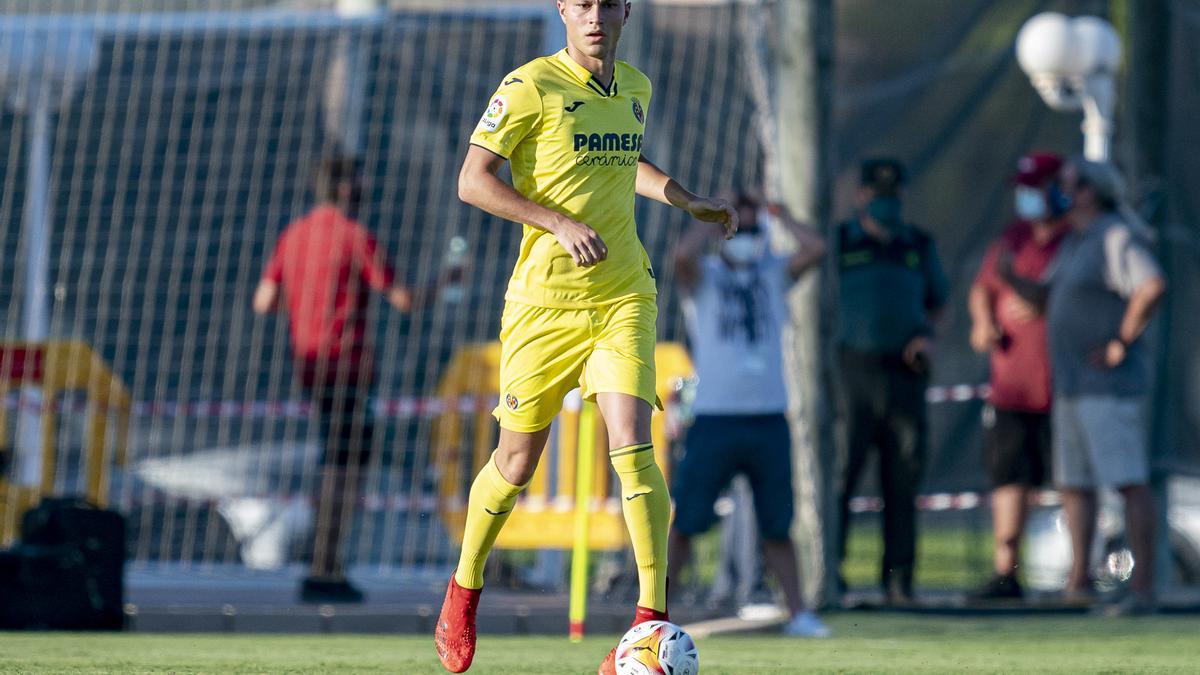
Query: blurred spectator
891	286
1008	329
1101	293
737	309
322	268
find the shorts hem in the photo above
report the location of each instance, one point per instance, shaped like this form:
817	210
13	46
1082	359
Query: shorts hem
654	401
523	428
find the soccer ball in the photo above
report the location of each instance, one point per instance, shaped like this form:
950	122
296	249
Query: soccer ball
657	648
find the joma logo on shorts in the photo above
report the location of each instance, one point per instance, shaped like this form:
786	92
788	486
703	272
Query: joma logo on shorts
608	142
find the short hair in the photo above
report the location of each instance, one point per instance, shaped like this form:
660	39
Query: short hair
1104	179
885	174
334	172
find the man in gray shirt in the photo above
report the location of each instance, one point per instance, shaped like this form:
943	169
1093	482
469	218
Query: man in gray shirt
1099	296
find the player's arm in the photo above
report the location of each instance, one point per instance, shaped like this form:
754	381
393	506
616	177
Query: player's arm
810	246
686	255
654	184
985	332
266	297
266	294
479	186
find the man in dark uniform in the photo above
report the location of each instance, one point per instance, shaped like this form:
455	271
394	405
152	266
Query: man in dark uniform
891	286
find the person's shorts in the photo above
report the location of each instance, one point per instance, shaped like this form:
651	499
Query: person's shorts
717	448
547	352
1099	441
1016	447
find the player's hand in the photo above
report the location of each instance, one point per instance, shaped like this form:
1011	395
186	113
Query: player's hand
718	211
582	242
916	354
401	298
984	336
1109	356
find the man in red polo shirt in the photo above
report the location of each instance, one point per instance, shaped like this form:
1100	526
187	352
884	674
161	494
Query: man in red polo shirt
1017	419
322	271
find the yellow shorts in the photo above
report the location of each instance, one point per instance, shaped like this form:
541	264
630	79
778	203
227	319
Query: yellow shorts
547	352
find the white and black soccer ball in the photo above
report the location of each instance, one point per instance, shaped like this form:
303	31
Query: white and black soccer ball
657	648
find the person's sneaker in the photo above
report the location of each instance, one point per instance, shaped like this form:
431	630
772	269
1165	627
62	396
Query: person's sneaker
325	591
999	587
1131	605
454	635
609	665
806	625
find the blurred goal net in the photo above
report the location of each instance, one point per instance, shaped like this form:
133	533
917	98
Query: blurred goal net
141	199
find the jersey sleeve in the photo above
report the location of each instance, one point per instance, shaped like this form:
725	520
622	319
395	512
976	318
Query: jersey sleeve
1128	262
376	273
513	112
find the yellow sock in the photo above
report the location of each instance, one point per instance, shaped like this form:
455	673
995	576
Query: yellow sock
647	507
491	501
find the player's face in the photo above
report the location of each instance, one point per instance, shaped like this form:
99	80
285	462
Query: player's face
594	26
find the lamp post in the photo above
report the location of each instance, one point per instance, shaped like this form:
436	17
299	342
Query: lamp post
1072	63
41	67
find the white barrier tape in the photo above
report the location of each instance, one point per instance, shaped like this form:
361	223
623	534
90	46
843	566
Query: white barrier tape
400	407
397	407
428	503
945	501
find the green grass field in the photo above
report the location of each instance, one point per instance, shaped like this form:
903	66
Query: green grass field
863	643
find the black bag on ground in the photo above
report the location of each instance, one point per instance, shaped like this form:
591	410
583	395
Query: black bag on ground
68	571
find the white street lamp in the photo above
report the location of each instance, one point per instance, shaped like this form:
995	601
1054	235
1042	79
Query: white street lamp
1073	65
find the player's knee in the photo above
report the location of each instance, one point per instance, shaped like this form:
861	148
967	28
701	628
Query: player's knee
516	465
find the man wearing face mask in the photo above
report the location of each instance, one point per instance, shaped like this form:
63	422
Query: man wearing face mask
891	286
1008	329
1100	295
736	308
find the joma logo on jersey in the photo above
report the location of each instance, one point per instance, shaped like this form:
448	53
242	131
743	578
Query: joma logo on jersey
608	142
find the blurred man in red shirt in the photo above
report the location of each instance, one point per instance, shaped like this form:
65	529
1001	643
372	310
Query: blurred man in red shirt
322	271
1010	330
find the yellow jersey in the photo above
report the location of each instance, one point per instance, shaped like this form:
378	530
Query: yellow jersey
573	146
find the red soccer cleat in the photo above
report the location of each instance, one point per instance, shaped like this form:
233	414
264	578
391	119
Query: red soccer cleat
609	665
454	635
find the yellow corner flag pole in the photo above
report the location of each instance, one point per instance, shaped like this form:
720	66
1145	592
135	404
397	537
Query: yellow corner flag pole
584	468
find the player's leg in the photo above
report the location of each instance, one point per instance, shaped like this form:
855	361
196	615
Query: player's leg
901	461
858	391
645	500
645	503
767	452
1074	476
1010	438
537	368
619	373
1116	442
492	498
343	419
696	481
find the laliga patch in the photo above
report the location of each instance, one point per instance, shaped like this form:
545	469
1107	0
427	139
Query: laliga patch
511	401
494	114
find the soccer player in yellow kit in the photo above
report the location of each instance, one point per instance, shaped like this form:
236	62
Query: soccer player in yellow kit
580	307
